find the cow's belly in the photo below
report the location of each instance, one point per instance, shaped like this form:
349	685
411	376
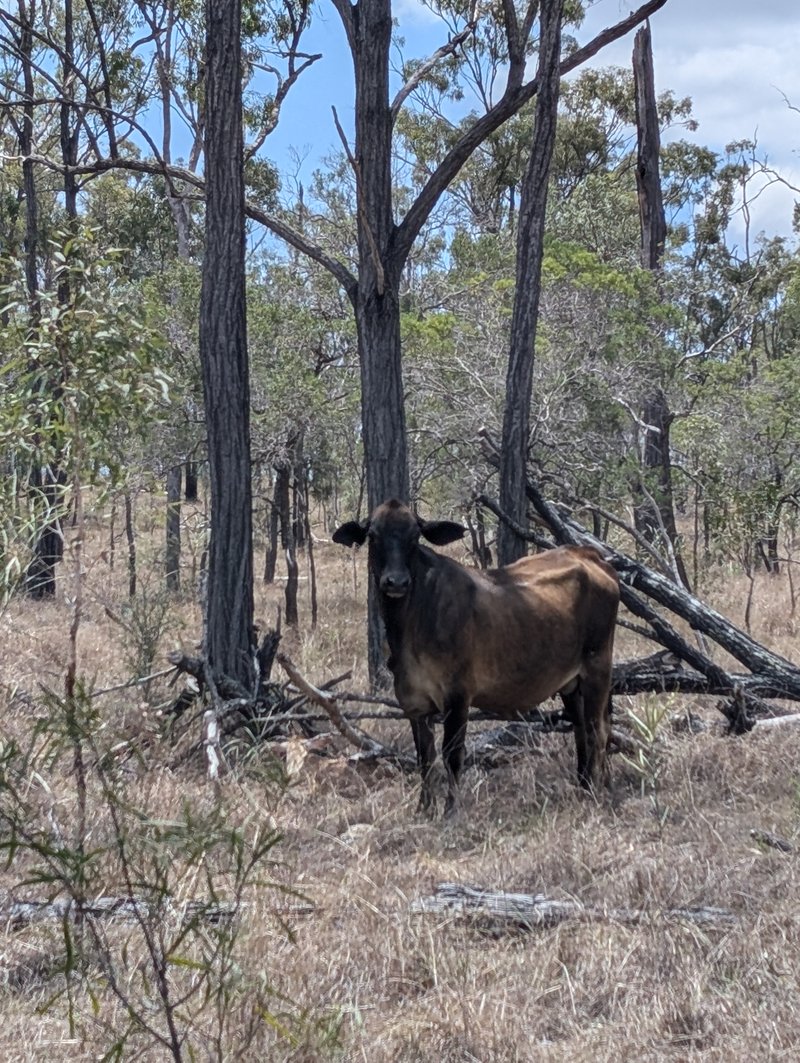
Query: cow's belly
510	698
422	686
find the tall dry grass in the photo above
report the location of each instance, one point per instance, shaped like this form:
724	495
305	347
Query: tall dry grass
328	937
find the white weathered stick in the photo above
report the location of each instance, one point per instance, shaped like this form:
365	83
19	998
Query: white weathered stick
527	910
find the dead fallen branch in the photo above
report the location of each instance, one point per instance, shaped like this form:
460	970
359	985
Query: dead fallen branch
498	911
641	589
772	841
18	914
779	721
329	703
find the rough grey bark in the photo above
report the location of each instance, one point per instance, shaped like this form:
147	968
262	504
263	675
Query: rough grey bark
530	250
648	146
375	297
501	911
228	635
654	516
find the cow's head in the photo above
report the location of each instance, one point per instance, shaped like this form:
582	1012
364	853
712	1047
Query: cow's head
393	532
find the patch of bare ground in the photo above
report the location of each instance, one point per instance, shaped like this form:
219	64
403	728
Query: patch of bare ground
332	963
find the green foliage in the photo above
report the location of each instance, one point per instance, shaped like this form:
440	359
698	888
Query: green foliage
84	374
176	879
81	379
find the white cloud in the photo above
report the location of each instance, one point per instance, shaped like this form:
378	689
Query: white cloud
738	62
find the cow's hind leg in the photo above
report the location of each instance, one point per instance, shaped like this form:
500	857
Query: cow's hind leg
455	731
574	709
425	744
596	689
597	722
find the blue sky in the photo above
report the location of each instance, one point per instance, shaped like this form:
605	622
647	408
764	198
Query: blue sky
736	59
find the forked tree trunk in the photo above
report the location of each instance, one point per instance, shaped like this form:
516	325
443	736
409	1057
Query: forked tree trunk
383	248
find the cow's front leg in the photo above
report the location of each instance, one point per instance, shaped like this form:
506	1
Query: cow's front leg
425	744
455	731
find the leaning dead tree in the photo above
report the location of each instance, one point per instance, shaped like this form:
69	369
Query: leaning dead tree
661	603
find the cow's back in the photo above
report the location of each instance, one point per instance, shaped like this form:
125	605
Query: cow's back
509	638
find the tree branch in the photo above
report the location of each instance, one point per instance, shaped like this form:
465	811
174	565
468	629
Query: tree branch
424	68
179	173
512	100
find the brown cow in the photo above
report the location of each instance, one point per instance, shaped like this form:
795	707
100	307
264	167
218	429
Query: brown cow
503	640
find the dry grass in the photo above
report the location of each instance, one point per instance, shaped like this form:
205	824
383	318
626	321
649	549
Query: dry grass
353	975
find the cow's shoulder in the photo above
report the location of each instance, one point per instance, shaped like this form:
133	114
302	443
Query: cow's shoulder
564	564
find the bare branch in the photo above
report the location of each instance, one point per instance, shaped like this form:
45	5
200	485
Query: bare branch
179	173
380	275
425	68
329	703
347	14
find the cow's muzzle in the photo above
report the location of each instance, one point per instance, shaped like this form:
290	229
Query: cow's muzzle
395	585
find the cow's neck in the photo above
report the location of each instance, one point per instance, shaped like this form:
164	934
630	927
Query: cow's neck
396	612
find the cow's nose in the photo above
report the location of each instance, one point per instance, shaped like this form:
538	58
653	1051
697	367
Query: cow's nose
394	584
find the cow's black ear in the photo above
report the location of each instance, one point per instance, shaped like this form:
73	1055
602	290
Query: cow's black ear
351	533
441	532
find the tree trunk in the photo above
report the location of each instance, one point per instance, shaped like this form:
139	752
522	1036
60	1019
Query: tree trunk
190	481
299	498
130	536
652	222
229	632
40	577
312	564
375	297
271	557
654	516
284	506
530	250
173	529
45	482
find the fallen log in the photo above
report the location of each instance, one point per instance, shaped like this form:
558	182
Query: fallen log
772	841
699	615
18	914
779	721
773	676
499	911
